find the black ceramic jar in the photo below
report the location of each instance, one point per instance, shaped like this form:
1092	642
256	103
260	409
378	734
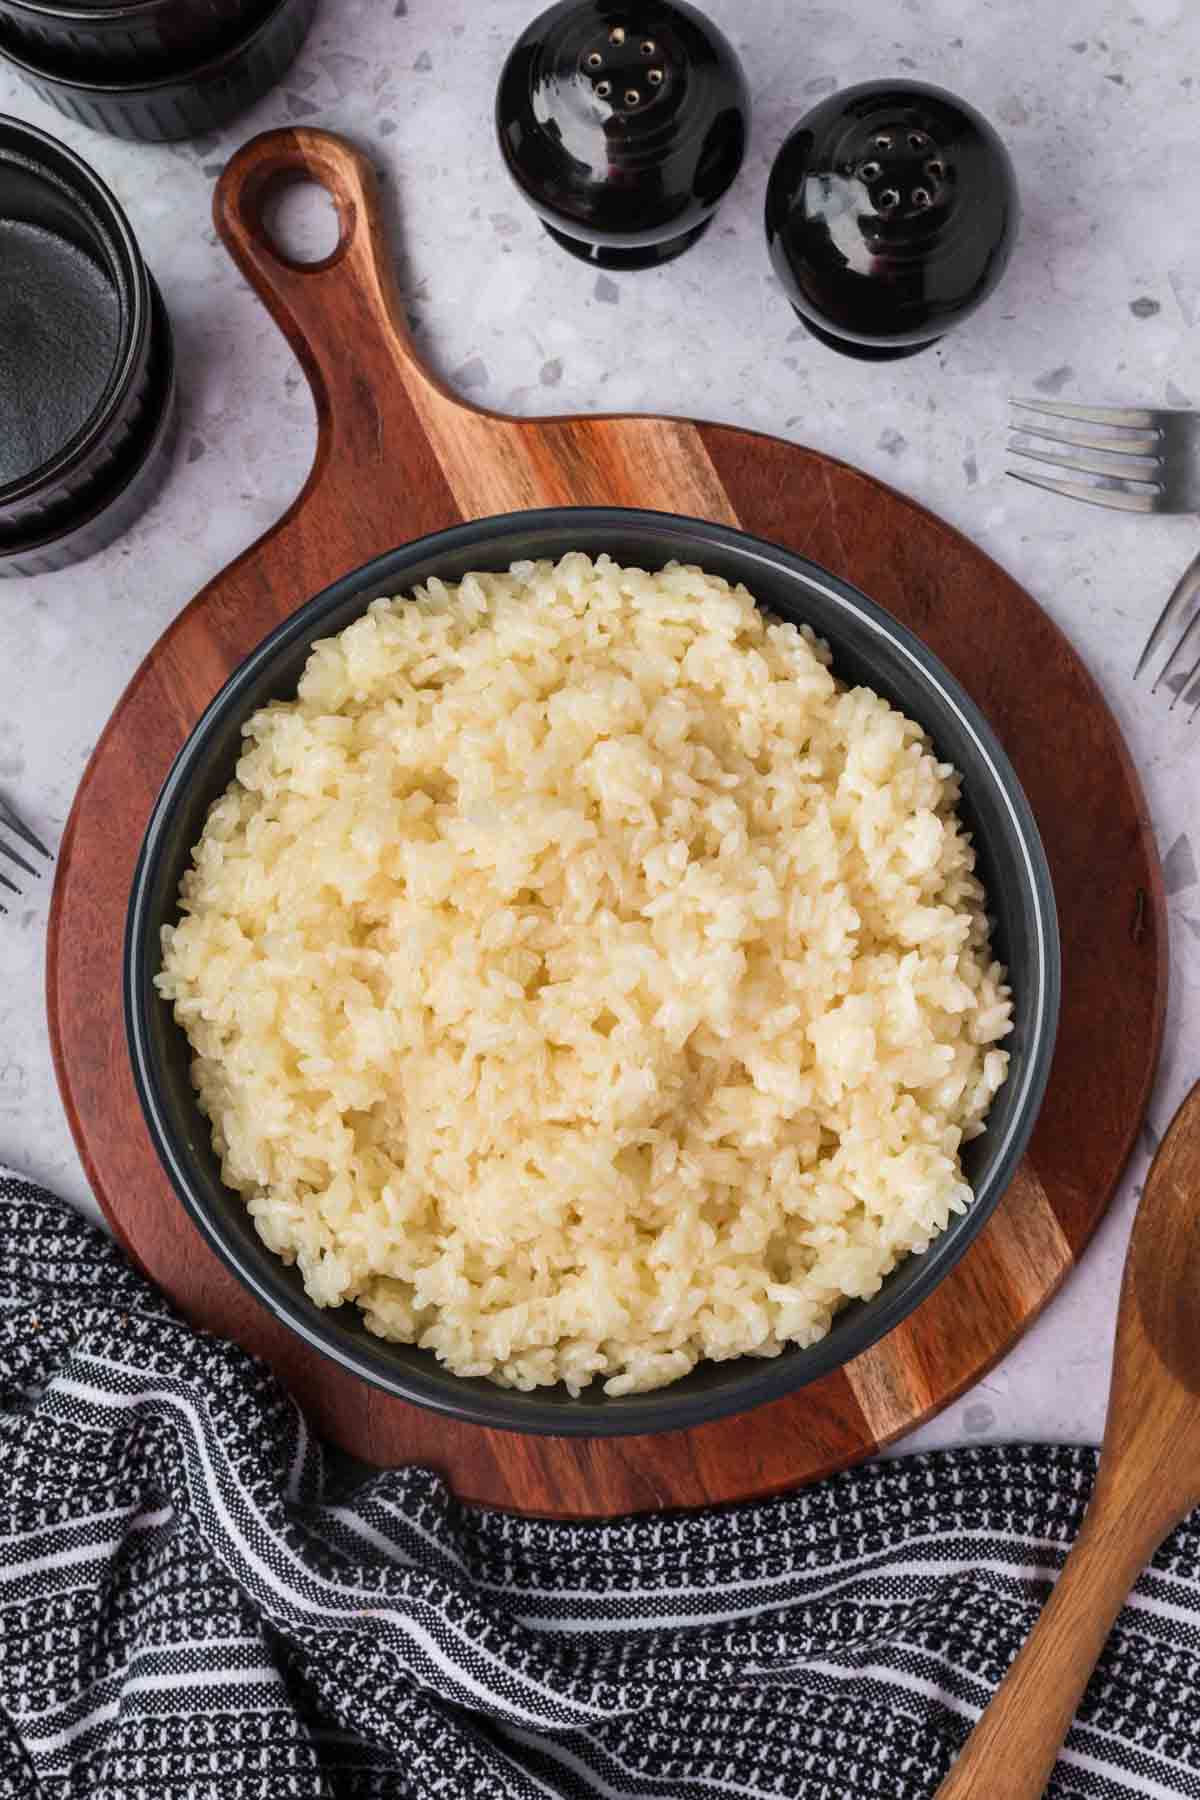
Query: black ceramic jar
891	213
623	125
86	362
196	88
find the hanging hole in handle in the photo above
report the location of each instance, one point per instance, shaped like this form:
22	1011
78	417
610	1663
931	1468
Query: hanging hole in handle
301	221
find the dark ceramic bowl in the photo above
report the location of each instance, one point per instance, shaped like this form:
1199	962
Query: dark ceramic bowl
86	380
868	646
187	99
126	38
107	511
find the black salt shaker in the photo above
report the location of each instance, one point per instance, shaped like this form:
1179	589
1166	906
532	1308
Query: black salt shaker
623	125
891	213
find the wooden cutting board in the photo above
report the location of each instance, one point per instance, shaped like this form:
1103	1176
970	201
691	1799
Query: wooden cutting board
399	455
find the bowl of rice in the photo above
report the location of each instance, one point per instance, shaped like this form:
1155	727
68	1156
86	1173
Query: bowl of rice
591	972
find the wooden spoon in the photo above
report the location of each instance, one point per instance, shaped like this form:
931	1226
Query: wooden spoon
1148	1480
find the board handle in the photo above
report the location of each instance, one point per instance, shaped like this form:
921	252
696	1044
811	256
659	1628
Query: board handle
342	314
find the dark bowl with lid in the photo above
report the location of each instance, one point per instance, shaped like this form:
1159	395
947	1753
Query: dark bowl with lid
86	363
196	87
127	38
868	646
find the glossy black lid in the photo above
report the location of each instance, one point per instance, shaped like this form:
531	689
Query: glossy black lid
623	123
891	212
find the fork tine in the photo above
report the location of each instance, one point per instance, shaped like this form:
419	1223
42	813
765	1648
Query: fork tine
1192	626
1185	691
1120	498
1184	591
10	885
1085	465
10	818
1135	417
1086	440
7	850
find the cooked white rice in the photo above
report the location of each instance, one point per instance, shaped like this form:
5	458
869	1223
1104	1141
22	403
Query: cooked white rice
583	982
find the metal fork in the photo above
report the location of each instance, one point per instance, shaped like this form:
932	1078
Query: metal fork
16	827
1147	460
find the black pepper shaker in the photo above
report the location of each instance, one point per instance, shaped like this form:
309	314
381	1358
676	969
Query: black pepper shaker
891	212
623	125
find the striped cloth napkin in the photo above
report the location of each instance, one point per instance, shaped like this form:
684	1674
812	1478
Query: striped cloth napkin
192	1609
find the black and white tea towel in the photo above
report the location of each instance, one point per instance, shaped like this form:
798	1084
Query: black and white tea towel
190	1610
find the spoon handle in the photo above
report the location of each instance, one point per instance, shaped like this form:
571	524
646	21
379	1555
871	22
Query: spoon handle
1148	1480
1011	1753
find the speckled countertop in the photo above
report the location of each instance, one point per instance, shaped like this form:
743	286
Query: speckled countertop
1098	105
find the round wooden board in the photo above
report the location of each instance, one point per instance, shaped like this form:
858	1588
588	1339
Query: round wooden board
397	456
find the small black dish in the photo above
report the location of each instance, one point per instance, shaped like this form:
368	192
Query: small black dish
891	213
868	646
126	38
84	344
623	125
106	513
193	97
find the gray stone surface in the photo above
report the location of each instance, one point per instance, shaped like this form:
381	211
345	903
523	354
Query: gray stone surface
1097	102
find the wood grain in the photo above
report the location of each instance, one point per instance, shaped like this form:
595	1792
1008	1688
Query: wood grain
1148	1480
398	455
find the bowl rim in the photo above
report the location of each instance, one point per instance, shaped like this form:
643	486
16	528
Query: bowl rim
63	169
770	1378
